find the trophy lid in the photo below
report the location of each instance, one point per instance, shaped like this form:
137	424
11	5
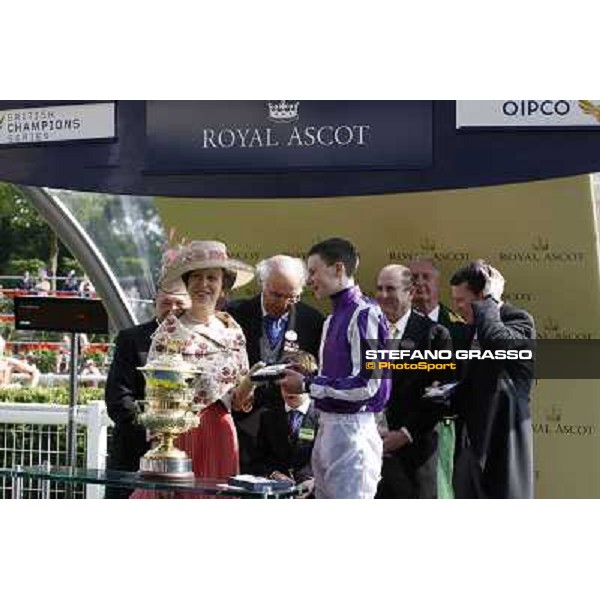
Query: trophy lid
166	352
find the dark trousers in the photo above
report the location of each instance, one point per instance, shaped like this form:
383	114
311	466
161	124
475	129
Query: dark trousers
246	426
401	479
128	445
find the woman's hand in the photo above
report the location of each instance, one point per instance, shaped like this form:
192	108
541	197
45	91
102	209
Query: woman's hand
242	397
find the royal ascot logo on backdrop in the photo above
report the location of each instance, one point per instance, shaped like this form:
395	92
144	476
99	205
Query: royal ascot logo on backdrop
552	423
550	329
519	297
285	135
283	112
541	251
430	249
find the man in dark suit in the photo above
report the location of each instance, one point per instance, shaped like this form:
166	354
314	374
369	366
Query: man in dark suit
285	440
496	448
426	299
274	322
411	444
125	384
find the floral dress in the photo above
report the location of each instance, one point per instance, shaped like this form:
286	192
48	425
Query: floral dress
219	349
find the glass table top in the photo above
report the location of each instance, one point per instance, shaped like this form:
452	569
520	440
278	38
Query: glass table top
122	479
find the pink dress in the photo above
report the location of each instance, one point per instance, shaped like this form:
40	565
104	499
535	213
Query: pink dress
219	348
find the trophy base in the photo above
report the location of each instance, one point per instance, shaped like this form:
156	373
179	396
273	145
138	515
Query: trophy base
166	468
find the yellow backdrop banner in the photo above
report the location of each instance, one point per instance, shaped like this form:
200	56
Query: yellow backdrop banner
542	237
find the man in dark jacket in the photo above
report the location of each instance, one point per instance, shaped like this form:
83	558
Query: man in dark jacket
496	447
125	384
285	440
411	444
273	322
426	299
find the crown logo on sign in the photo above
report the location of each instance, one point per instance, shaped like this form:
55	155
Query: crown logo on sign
541	244
550	328
282	111
554	415
427	245
589	108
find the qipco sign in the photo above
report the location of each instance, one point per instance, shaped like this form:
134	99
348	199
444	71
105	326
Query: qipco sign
527	113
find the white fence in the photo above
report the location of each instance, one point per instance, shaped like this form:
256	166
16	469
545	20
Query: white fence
33	434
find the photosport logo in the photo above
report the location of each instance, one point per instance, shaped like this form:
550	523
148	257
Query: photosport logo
428	248
284	112
553	423
541	251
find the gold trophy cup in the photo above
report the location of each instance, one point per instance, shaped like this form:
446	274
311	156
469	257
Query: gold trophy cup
168	412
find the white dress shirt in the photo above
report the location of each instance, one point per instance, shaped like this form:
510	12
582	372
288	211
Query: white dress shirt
434	315
396	333
397	328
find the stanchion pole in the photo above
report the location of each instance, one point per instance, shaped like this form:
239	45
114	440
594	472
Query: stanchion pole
73	392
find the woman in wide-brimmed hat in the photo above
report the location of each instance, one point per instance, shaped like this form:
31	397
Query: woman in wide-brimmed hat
214	342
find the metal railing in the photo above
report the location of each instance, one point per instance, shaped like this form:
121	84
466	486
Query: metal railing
36	434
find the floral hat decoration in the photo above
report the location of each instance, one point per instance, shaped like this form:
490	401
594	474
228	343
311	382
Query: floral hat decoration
182	258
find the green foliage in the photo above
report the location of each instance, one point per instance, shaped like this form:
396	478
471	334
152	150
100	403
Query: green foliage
131	265
70	264
18	266
45	360
54	395
24	234
97	356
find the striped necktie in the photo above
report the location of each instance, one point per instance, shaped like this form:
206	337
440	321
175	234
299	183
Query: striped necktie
294	423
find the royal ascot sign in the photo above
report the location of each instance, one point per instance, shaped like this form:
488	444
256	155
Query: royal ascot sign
281	135
46	124
527	113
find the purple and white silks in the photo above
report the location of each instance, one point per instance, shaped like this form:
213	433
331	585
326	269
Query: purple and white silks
343	384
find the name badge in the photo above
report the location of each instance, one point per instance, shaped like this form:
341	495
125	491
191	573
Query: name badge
306	434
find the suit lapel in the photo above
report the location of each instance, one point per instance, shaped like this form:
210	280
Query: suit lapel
413	332
255	327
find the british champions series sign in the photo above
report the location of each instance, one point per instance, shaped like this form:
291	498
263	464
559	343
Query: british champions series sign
47	124
282	135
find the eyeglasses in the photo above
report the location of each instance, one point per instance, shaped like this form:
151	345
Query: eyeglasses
291	298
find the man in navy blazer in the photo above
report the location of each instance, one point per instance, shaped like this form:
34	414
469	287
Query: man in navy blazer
285	440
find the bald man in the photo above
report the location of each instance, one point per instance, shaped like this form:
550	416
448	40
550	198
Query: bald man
410	446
